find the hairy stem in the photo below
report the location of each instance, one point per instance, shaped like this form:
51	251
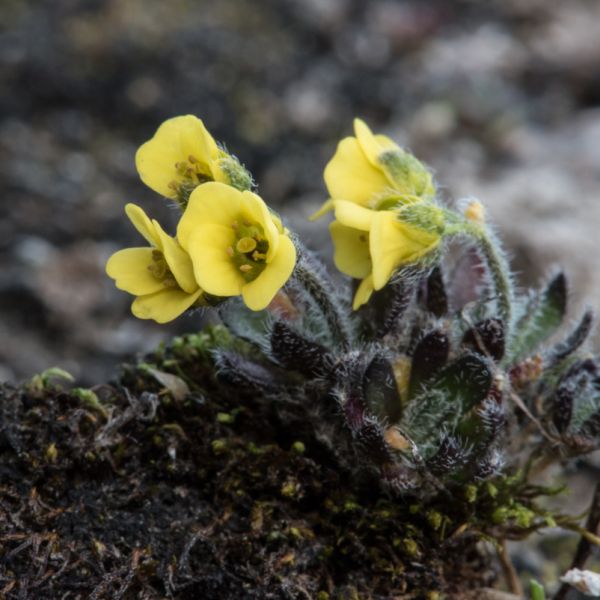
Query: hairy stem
307	274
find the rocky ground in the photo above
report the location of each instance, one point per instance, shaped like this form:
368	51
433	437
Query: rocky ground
501	98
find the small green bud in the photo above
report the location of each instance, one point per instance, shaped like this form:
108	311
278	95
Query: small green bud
425	215
290	489
470	493
434	518
410	547
239	177
219	446
90	398
492	490
225	418
537	591
408	173
51	453
45	379
299	447
500	515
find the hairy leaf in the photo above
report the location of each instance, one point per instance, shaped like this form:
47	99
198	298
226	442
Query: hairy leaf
542	319
381	391
429	356
293	351
486	337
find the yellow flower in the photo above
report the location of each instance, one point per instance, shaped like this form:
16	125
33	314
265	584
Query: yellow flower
371	245
368	169
352	257
161	276
236	244
182	155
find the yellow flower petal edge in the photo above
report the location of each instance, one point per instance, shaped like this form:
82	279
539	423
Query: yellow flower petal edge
237	246
351	256
371	170
182	155
182	151
364	292
373	146
161	276
350	176
353	215
394	243
164	306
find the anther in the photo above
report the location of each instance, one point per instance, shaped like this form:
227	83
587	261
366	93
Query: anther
245	268
193	159
246	244
229	250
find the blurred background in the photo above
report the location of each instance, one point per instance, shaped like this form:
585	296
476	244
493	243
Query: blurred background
501	98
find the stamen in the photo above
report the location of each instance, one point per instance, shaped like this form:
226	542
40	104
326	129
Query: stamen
235	225
169	282
245	268
246	244
193	159
257	256
229	251
174	186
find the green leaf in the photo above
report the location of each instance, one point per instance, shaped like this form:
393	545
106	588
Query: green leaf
49	379
380	390
429	356
461	386
542	318
466	381
537	591
249	325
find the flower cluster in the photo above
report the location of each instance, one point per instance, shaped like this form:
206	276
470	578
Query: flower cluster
385	211
228	241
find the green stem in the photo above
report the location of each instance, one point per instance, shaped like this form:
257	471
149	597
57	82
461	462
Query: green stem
309	277
499	271
495	260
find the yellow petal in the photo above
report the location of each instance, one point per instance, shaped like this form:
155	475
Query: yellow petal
393	243
142	223
258	293
163	306
214	270
209	203
174	141
255	210
372	145
350	176
363	293
351	254
353	215
325	208
129	269
178	260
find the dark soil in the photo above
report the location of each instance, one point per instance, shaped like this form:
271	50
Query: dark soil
150	493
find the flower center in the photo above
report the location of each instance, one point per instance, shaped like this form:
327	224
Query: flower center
192	172
160	269
249	252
